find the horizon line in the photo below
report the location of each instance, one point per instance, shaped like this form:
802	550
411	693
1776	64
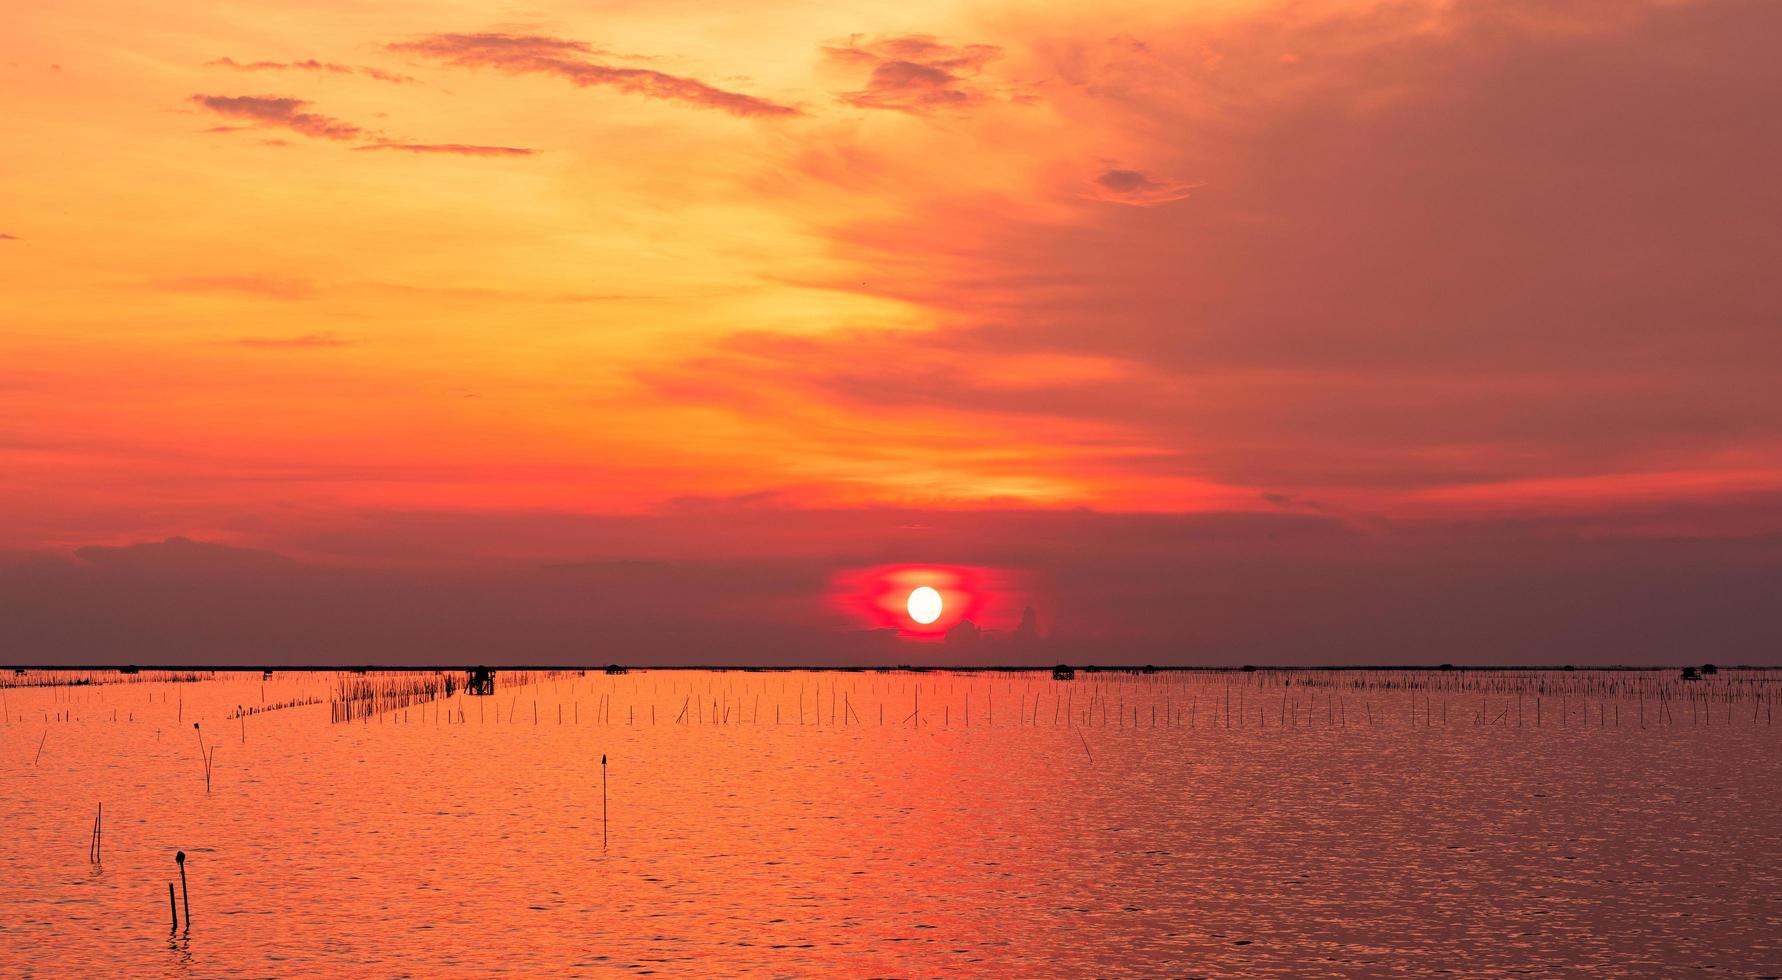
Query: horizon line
887	668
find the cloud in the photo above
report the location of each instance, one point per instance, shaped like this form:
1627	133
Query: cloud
308	341
384	76
460	149
573	62
483	294
274	286
310	64
914	73
281	111
1428	253
291	113
182	554
4	237
1136	188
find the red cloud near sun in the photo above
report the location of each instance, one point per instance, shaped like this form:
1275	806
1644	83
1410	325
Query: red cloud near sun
878	597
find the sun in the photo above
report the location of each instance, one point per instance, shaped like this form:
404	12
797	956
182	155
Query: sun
924	605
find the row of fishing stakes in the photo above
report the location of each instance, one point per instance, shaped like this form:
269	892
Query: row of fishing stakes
179	858
1174	697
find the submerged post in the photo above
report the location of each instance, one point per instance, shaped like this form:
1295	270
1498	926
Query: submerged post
179	857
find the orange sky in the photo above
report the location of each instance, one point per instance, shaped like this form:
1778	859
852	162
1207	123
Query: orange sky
274	273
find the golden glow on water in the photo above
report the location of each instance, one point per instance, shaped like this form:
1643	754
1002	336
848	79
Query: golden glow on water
992	823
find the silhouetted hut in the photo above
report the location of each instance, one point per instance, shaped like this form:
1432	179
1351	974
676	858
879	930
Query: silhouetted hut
1062	672
615	669
1709	669
479	680
1691	674
128	670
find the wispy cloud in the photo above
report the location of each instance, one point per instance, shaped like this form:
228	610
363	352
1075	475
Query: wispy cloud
915	73
460	149
574	62
308	341
273	286
283	112
270	111
310	64
4	237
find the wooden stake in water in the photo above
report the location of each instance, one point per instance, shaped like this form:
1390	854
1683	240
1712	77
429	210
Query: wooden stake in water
172	909
603	801
179	858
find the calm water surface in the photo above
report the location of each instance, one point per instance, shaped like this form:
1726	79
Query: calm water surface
1114	825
